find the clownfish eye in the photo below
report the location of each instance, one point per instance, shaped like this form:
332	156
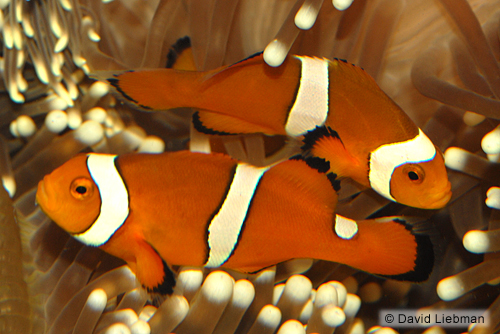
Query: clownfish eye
415	173
412	175
82	188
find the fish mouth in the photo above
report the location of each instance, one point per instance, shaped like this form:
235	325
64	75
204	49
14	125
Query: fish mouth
441	201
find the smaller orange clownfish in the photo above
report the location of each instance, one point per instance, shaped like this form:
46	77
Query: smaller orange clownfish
334	107
196	209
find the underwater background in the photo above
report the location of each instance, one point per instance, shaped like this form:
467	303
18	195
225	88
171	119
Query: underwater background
438	59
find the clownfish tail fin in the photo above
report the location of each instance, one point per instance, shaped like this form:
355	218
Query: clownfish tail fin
426	252
389	247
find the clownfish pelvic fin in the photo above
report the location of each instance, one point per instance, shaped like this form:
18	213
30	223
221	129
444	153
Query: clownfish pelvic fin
150	268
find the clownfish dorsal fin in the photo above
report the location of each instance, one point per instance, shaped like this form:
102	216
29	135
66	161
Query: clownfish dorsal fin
341	70
325	143
207	121
253	58
180	55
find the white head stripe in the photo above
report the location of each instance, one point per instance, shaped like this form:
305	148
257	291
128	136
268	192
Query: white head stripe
225	228
386	158
311	104
114	200
345	228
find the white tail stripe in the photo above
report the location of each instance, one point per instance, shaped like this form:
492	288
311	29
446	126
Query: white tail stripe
114	200
387	157
225	227
345	228
311	105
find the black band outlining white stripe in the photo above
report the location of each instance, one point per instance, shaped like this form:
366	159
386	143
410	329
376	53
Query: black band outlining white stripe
345	228
225	227
311	104
114	200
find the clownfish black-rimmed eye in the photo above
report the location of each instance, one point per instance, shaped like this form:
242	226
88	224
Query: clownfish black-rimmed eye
415	173
82	188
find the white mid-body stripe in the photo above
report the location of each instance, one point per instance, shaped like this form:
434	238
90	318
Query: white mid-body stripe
225	227
311	104
114	200
345	228
386	158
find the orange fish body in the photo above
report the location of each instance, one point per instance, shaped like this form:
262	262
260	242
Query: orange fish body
209	210
334	107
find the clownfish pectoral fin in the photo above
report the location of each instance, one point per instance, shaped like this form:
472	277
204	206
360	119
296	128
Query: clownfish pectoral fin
152	271
325	143
206	122
404	252
322	166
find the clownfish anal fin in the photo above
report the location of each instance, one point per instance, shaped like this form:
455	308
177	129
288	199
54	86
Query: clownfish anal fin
217	124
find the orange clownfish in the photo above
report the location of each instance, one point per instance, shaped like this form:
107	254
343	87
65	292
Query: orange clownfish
197	209
334	107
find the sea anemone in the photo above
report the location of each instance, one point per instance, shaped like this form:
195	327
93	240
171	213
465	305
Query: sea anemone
437	60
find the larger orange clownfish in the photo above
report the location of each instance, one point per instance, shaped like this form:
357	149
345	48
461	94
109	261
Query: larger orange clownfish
210	210
335	107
